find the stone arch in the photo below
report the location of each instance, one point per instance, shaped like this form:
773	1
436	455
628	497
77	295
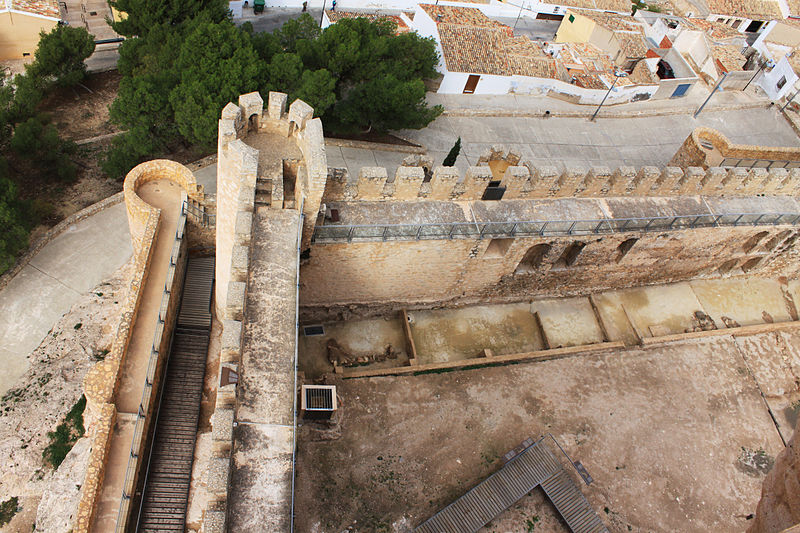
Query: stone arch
753	241
533	258
253	122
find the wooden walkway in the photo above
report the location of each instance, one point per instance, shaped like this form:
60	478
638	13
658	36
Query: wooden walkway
532	467
166	491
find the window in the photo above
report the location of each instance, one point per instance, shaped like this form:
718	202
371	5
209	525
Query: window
497	248
572	18
781	82
736	23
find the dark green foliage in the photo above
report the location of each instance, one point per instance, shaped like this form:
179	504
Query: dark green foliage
217	63
59	58
37	140
128	150
452	155
66	435
177	76
356	74
8	509
14	237
141	16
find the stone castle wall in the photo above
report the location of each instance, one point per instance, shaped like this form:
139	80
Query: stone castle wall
102	380
692	153
522	182
462	271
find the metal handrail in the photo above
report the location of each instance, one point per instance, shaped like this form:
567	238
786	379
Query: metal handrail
144	405
198	213
296	356
545	228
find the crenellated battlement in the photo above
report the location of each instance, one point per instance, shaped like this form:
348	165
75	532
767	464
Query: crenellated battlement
409	183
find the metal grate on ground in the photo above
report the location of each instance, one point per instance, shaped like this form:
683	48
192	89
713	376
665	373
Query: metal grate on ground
166	488
532	467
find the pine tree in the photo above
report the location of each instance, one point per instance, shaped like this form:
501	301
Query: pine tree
450	160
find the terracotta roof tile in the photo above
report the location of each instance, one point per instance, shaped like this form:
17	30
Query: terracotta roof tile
628	31
751	9
729	57
716	30
463	16
336	16
473	49
48	8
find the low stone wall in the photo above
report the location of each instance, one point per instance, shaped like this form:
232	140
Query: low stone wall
54	232
522	182
692	153
102	381
383	147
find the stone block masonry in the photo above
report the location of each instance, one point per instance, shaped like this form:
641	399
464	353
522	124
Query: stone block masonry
547	182
706	147
391	274
103	379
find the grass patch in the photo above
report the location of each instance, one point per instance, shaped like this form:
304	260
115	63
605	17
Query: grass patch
8	509
66	435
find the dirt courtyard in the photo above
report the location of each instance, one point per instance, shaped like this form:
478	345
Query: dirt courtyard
677	437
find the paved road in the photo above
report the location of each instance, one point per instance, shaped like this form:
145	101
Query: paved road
561	142
47	287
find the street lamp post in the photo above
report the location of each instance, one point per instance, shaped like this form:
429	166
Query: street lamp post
323	12
617	76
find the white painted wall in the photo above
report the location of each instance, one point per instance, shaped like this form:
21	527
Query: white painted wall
236	8
454	82
693	44
768	81
426	27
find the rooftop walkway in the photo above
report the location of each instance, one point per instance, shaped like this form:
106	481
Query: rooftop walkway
532	467
260	492
166	195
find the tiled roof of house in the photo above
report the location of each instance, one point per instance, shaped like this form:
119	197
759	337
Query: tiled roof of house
611	21
751	9
716	30
473	49
48	8
526	58
463	16
631	44
628	31
591	68
336	16
729	57
621	6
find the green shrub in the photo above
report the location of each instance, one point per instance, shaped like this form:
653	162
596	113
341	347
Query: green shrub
8	509
66	435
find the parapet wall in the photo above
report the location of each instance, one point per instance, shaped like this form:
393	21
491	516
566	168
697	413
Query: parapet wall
718	147
523	182
238	173
385	276
102	380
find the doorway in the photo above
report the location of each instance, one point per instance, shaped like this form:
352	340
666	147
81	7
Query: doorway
472	82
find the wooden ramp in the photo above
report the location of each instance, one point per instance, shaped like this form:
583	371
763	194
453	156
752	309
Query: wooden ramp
166	489
532	467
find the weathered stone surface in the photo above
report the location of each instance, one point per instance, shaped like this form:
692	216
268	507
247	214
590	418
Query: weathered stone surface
56	512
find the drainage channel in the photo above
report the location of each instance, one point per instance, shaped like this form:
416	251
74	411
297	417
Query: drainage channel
165	493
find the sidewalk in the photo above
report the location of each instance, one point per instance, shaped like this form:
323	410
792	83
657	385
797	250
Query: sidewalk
523	105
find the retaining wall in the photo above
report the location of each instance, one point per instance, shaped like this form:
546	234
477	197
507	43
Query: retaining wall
692	153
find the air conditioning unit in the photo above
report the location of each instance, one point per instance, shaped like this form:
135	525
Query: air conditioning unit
318	402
